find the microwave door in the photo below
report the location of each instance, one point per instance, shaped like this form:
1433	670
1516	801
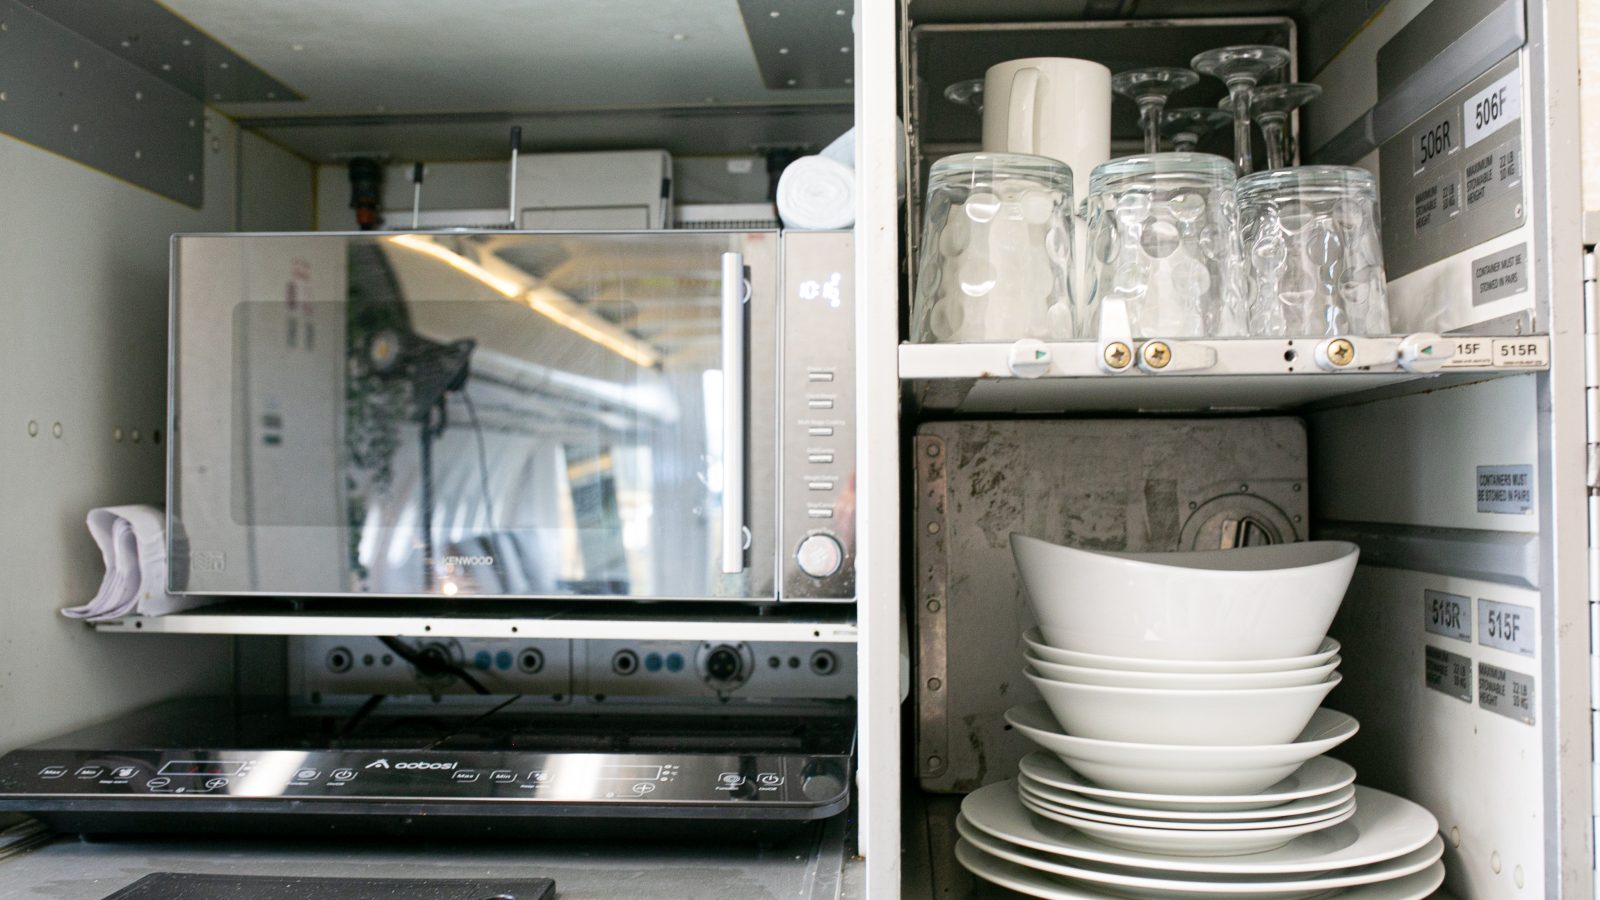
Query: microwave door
509	415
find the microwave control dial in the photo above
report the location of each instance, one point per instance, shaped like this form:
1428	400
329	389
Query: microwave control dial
819	556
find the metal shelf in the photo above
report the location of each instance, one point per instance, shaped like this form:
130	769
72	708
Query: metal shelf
1198	375
505	619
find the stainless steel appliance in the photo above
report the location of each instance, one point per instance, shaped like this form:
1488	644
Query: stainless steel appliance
257	766
661	416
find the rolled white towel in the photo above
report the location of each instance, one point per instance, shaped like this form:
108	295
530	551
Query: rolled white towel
816	193
133	543
843	150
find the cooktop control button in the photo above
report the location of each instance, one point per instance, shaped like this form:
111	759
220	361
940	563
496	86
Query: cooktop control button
91	772
213	784
819	556
344	774
52	771
156	784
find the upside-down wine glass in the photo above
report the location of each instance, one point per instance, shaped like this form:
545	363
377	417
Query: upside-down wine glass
966	93
1188	126
1150	88
1241	68
1271	104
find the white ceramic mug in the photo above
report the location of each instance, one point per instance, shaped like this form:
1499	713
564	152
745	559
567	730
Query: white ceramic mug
1048	106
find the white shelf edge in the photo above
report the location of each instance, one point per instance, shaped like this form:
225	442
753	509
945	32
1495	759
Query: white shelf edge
312	624
1233	357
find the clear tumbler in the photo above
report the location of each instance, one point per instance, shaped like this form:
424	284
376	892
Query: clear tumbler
996	257
1163	239
1316	257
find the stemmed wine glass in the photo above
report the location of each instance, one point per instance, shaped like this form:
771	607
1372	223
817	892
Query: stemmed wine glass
1271	105
1188	126
966	93
1241	68
1150	88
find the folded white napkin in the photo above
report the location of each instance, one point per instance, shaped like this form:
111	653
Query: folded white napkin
816	193
133	544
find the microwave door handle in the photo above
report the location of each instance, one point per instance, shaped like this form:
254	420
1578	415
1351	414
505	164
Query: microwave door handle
733	407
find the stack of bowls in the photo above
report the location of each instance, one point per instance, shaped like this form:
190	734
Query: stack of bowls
1182	719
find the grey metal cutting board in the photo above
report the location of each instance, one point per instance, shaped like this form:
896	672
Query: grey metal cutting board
1119	484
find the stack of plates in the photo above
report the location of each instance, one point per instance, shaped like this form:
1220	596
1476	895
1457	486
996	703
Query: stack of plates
1183	736
1388	850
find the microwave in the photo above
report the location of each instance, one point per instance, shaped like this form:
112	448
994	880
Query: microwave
500	414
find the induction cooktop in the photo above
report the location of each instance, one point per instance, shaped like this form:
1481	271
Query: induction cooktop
219	765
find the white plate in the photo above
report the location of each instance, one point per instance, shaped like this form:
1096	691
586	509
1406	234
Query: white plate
1384	827
1209	717
1411	877
1313	781
1167	769
1178	842
1035	641
1186	681
1137	819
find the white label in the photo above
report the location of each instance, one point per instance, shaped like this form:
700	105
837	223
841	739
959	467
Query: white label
1492	108
1505	692
1505	626
1447	673
1505	489
740	166
1471	352
1447	614
1521	353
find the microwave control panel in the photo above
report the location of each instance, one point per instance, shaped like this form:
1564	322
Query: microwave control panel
817	467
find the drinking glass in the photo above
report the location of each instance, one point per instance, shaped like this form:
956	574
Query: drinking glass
1188	126
1163	239
1241	68
996	261
1311	236
1271	104
1150	88
966	93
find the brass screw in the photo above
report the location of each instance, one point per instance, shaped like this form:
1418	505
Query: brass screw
1341	352
1118	355
1157	354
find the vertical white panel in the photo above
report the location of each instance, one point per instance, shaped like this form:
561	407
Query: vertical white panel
878	444
83	336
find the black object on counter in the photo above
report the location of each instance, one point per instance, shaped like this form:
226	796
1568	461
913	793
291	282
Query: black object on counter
192	886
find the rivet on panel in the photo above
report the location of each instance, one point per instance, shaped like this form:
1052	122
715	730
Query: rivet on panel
138	95
138	154
1494	862
933	527
1193	504
849	81
1297	488
77	64
783	51
844	49
187	42
116	434
134	435
56	429
1244	488
934	606
33	429
222	65
1297	518
934	684
1455	836
935	762
3	97
792	82
1516	875
75	127
774	14
933	449
166	67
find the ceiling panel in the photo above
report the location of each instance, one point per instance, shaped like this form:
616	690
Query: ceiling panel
412	56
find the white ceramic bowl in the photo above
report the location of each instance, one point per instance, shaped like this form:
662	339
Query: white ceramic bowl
1238	718
1178	769
1251	603
1184	681
1037	647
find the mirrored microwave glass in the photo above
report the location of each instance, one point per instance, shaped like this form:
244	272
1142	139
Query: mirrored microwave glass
482	414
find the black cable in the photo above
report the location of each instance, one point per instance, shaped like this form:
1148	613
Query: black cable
471	722
483	485
432	666
360	715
